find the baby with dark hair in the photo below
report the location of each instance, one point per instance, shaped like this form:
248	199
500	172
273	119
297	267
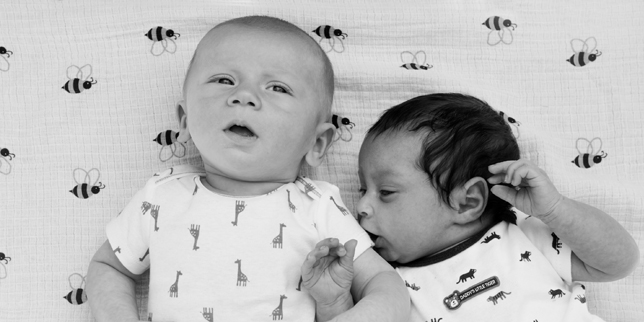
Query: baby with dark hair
439	175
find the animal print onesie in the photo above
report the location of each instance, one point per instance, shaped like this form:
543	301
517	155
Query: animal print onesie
224	258
507	273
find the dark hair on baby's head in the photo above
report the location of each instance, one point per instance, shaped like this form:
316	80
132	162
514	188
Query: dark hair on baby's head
463	135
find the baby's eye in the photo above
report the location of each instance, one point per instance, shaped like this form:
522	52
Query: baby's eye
280	89
224	80
385	193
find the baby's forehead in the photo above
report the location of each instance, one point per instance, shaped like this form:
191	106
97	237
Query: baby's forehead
285	36
262	43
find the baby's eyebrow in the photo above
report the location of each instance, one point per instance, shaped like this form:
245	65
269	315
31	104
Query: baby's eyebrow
382	176
288	80
385	173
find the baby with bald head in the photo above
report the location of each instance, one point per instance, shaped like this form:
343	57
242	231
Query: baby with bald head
308	50
244	237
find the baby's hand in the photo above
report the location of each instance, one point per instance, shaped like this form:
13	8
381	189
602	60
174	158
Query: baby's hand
327	272
532	193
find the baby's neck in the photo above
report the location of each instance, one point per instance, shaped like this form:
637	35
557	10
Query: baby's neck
238	188
471	230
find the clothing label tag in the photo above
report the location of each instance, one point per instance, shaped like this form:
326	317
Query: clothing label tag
454	300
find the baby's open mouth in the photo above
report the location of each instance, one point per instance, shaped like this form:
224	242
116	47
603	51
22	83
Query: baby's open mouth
241	130
372	236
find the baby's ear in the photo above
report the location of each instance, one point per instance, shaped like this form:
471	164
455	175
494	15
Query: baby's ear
323	140
182	117
470	200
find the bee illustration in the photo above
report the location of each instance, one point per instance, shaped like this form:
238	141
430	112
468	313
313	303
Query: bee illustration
77	296
162	40
86	189
331	34
343	128
500	30
168	139
585	51
79	79
4	63
5	165
513	123
412	61
592	156
6	260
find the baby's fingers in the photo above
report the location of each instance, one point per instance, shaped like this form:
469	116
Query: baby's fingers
335	249
349	251
501	167
325	247
524	173
506	193
512	172
496	179
506	172
313	256
516	172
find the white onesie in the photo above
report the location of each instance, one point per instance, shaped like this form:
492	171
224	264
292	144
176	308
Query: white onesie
225	258
508	273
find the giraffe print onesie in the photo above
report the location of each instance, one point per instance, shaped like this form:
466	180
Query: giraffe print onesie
225	258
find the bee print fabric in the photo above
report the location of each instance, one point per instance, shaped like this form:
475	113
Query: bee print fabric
207	251
88	96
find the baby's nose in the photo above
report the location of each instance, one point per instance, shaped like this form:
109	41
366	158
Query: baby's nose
236	101
244	97
363	210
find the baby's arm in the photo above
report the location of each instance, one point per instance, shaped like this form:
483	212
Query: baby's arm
110	288
381	293
329	272
602	249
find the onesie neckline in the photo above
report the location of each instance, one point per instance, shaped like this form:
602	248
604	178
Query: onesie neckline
198	181
447	254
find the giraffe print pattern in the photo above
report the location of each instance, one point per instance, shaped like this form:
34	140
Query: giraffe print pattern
277	241
189	232
174	288
155	214
343	210
241	277
278	313
240	205
194	232
290	204
208	313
